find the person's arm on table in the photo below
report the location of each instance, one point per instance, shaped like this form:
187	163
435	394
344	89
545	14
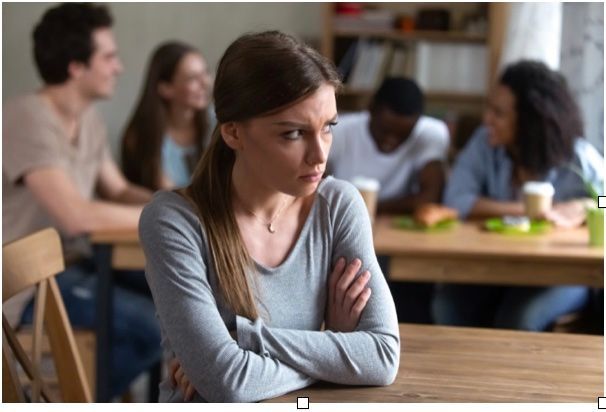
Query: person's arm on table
75	215
113	186
431	184
485	207
466	185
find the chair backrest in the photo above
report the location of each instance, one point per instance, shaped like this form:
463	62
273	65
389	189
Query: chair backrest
34	261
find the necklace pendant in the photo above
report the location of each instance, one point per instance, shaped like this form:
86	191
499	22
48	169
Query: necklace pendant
270	228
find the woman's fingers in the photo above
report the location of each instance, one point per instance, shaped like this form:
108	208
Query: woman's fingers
173	365
355	289
184	385
189	393
180	380
334	277
345	281
358	307
179	373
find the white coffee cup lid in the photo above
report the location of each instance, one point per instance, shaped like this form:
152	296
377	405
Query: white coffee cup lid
366	183
539	188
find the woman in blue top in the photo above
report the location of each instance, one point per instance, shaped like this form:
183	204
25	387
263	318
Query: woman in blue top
533	131
167	132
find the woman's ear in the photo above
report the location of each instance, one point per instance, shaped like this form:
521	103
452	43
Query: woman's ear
165	90
231	133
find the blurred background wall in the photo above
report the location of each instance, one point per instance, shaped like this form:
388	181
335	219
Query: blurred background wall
139	27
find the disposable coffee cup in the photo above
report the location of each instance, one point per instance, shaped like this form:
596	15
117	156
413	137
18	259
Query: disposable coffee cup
369	189
538	197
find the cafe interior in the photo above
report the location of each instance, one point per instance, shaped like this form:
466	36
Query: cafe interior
497	283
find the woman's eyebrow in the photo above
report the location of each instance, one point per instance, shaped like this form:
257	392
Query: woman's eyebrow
300	125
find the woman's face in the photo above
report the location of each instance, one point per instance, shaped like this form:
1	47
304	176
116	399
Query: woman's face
190	87
500	116
287	151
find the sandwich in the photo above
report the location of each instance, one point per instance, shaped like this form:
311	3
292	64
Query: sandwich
431	214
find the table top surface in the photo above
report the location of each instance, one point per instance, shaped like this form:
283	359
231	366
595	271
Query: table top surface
466	239
447	364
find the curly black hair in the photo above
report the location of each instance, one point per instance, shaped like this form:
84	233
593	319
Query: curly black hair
64	35
548	118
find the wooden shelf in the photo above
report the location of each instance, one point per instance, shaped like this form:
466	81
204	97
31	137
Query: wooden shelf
438	95
434	36
340	34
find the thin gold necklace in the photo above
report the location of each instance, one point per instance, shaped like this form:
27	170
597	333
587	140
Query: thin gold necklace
270	223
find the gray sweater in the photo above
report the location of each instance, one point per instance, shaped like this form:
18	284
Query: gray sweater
285	349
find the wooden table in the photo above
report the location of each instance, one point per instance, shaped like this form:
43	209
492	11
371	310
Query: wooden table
446	364
468	254
465	254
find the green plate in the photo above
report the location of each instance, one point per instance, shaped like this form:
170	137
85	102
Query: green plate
408	223
536	227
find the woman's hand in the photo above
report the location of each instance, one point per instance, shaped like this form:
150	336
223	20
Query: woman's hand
568	214
347	296
178	379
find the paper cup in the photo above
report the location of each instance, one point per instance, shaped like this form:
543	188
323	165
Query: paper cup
538	197
369	189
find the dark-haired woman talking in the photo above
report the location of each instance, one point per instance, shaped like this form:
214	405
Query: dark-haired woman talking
263	273
533	132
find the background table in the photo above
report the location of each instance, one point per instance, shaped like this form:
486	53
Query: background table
447	364
468	254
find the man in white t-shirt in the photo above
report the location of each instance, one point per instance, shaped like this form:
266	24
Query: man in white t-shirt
396	144
406	152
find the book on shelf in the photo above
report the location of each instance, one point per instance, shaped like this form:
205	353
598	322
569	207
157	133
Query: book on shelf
401	63
448	67
347	62
436	67
370	63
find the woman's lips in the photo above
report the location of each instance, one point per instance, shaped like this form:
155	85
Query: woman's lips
311	178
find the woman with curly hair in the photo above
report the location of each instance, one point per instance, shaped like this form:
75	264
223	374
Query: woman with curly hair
532	132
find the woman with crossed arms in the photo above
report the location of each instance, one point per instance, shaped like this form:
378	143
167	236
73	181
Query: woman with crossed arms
264	274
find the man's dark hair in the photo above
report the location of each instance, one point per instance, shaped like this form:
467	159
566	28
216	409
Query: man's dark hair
64	35
548	118
401	95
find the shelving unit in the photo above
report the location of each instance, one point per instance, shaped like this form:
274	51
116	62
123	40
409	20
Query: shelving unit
337	40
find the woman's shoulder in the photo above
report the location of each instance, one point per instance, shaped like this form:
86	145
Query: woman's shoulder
478	146
168	209
337	192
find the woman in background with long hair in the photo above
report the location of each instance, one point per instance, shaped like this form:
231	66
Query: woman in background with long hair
168	130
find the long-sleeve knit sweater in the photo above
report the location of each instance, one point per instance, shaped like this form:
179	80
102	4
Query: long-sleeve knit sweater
285	349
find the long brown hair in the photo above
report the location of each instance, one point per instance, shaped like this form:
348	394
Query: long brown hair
258	74
143	137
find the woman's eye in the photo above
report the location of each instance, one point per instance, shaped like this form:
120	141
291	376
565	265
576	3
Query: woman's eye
328	127
293	134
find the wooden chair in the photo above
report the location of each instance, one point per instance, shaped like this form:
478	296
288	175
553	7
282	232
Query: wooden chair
34	261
